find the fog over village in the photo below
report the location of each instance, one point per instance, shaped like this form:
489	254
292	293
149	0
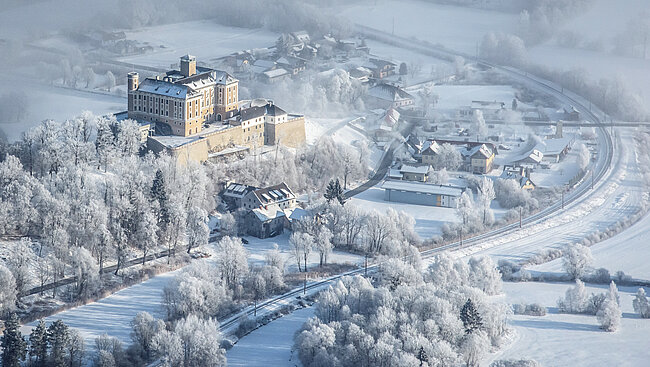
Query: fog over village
324	183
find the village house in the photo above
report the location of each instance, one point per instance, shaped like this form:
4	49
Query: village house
268	210
519	174
430	150
380	68
422	193
479	158
388	96
293	65
530	159
234	193
555	149
411	172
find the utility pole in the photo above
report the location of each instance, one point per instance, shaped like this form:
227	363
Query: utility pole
304	286
255	311
519	217
592	179
563	198
461	236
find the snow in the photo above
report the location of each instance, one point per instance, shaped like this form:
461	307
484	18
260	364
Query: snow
112	315
60	104
454	96
257	249
628	251
456	27
428	219
205	39
270	345
573	340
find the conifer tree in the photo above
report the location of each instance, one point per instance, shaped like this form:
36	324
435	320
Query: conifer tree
470	317
38	344
159	193
422	356
14	346
334	191
58	338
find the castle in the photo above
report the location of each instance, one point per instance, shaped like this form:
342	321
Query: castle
197	114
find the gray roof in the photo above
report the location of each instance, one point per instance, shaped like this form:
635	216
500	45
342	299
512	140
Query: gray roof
164	88
273	194
422	188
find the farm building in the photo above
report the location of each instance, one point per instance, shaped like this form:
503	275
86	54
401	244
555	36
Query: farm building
422	193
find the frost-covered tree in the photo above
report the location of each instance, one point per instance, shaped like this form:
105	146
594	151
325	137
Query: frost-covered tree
86	272
641	305
8	291
576	259
301	246
192	342
76	349
575	299
198	290
584	156
18	264
475	346
14	346
144	328
334	192
609	315
478	124
395	272
323	244
274	258
485	275
232	261
197	228
377	232
448	157
110	81
486	194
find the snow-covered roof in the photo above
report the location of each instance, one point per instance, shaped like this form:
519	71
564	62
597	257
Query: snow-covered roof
422	170
389	92
554	146
275	73
430	147
395	174
534	155
482	149
422	188
268	214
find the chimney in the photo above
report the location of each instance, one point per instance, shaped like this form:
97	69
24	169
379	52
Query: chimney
132	81
188	65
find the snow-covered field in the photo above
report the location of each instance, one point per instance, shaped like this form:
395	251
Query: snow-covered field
257	249
270	345
428	219
455	27
454	96
573	340
628	251
112	315
204	39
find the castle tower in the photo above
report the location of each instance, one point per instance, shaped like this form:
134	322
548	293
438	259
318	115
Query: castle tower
188	65
133	80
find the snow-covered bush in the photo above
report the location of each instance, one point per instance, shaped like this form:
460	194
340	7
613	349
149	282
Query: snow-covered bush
576	259
600	276
641	305
515	363
533	309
